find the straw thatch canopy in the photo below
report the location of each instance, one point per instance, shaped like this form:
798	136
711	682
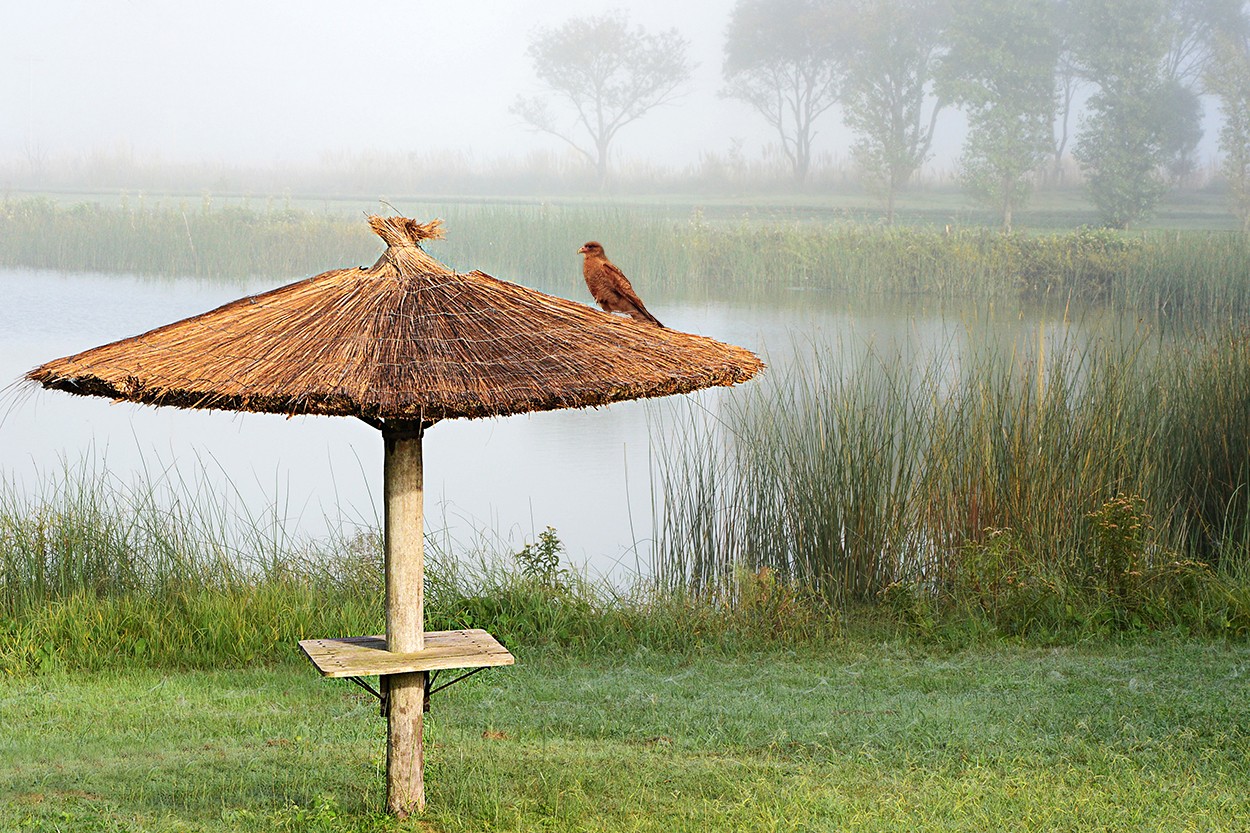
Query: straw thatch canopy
404	339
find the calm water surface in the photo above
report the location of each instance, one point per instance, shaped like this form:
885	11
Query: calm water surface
587	472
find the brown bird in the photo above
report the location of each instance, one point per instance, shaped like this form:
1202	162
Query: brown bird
610	287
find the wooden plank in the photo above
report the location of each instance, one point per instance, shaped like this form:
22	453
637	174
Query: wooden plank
363	656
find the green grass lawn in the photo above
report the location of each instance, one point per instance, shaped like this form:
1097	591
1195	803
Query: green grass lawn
1145	735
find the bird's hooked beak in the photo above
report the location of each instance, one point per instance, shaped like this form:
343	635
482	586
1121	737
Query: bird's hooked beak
583	250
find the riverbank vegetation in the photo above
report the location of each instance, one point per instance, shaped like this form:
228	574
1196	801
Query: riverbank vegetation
1072	482
685	255
1078	484
97	573
1054	491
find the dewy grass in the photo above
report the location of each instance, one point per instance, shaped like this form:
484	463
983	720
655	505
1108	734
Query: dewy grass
1098	486
862	735
994	481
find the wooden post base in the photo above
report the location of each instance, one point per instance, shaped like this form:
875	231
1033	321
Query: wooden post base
403	682
405	753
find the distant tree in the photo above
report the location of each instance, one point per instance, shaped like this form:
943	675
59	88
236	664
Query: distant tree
1180	130
1068	81
1187	30
1000	69
890	66
1192	27
782	57
606	74
1121	141
1228	78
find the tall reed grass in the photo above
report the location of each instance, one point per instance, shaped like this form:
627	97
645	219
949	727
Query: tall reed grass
94	571
1049	487
201	240
160	572
684	257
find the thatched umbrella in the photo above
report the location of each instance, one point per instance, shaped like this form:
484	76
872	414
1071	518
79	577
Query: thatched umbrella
401	345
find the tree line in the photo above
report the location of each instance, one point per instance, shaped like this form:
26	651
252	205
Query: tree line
1019	71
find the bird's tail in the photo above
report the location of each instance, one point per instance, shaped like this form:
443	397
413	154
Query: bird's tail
640	313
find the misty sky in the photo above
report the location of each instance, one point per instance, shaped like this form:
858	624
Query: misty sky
264	82
259	82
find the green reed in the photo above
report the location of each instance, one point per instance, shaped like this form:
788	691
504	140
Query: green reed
682	255
163	571
1044	487
95	571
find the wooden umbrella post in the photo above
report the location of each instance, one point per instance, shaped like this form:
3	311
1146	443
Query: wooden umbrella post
405	615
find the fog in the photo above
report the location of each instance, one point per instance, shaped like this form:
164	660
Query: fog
298	83
302	84
293	82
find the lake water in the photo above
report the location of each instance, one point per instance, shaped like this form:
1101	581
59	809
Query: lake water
588	473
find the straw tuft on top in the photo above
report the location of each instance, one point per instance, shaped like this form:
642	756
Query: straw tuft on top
404	339
401	231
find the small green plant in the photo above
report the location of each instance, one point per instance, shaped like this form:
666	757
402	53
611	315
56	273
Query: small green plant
910	605
770	605
322	815
540	561
988	568
1121	530
999	579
